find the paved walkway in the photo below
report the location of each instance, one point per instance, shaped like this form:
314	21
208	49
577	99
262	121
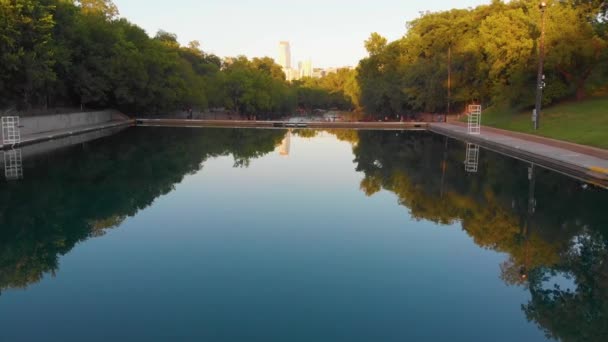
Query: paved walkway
38	137
283	124
584	149
584	162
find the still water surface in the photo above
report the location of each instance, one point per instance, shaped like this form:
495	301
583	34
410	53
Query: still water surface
158	234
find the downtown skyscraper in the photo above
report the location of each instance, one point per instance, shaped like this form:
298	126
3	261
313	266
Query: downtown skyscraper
284	55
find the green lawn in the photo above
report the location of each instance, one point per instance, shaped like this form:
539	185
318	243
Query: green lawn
579	122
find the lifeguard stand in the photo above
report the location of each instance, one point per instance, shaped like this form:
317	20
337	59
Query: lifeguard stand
474	126
10	130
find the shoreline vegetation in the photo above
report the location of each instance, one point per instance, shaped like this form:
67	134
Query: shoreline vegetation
81	54
63	53
584	122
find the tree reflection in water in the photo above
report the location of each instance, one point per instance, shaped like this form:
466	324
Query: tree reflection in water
77	193
551	226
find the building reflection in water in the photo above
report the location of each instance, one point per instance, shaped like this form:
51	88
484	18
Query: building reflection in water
13	164
471	162
285	145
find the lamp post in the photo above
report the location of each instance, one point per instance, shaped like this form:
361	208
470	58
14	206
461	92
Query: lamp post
449	81
540	77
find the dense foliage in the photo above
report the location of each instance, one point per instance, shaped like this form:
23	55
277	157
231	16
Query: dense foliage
66	53
487	54
335	90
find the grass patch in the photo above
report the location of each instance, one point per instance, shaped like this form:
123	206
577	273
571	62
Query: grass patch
579	122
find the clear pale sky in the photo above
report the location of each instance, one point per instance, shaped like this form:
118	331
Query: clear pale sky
330	32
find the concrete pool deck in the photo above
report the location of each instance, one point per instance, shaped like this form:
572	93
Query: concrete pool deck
66	132
284	124
587	163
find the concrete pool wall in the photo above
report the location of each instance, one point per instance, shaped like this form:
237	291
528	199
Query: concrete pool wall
586	163
49	127
48	123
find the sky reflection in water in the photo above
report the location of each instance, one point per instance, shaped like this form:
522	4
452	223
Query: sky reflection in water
156	234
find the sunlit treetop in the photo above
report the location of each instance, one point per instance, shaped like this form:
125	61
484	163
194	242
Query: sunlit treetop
105	7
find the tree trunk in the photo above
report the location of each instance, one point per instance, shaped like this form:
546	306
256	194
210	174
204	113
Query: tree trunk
580	91
580	86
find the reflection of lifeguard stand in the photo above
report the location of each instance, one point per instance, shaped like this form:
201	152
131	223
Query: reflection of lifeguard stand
471	162
285	145
10	130
474	122
13	165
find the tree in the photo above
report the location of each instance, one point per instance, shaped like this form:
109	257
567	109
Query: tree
509	45
575	50
486	54
268	66
105	8
167	38
375	44
27	49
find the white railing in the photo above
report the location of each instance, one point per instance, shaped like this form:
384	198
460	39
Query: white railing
474	126
13	164
471	162
11	133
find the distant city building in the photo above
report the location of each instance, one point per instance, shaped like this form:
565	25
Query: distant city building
284	55
318	72
291	74
284	60
331	70
305	68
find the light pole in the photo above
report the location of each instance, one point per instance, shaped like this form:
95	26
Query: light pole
449	80
540	77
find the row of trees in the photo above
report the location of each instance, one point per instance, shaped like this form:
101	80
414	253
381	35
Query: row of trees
62	53
335	90
487	54
65	53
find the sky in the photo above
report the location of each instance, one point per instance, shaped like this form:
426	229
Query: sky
329	32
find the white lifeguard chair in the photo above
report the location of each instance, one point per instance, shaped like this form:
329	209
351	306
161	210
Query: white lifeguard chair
474	115
11	134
